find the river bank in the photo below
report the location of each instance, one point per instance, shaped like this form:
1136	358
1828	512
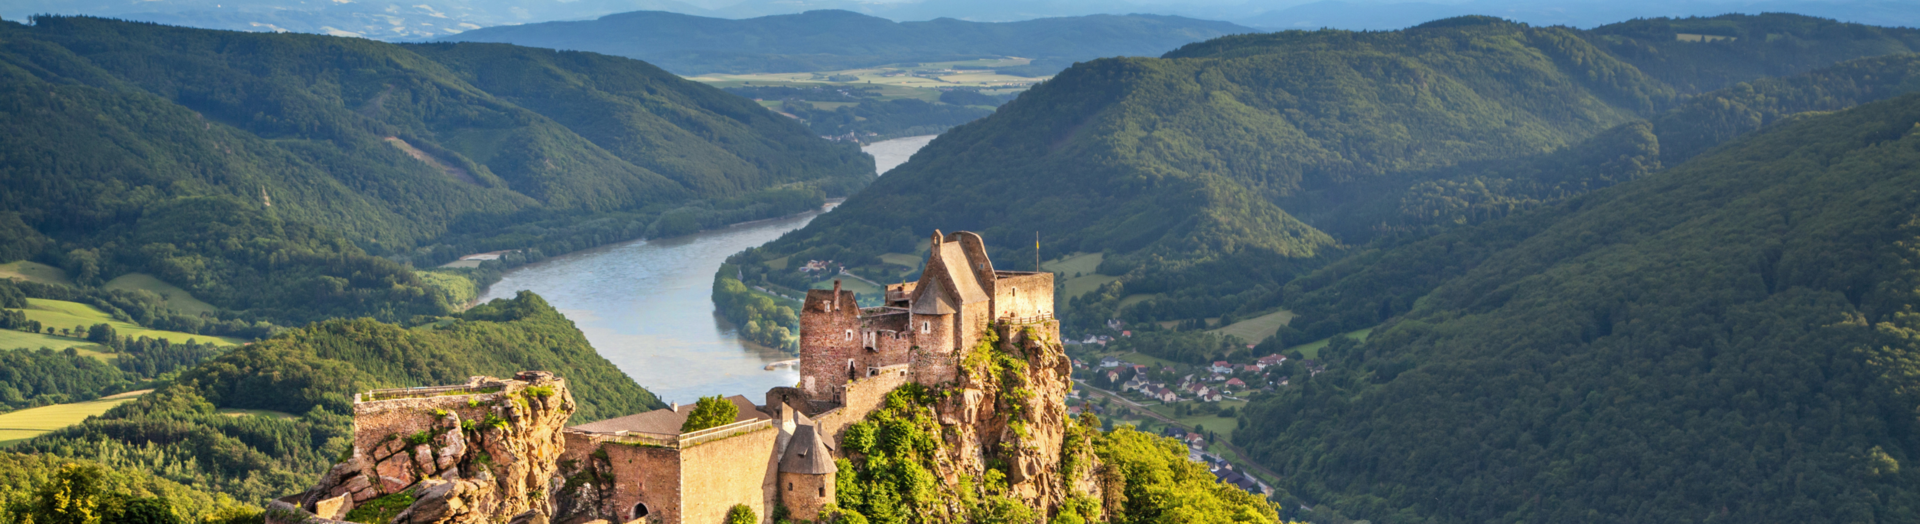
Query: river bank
646	304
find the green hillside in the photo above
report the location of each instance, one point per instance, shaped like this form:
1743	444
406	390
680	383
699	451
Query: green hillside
314	372
123	138
831	40
1214	175
1730	339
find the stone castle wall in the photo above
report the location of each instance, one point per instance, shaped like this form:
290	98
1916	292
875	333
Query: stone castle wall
1023	296
718	474
861	398
829	336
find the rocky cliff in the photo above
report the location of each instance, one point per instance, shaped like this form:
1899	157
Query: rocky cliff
481	452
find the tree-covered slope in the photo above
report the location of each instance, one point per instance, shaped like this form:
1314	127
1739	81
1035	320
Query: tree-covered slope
1732	338
113	128
1213	175
307	377
833	40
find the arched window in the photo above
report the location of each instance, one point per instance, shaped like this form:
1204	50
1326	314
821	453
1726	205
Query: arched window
926	327
849	334
639	510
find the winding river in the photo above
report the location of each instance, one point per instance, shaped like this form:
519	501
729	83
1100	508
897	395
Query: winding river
645	304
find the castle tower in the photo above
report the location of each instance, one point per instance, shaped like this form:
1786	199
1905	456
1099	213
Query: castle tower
829	341
806	474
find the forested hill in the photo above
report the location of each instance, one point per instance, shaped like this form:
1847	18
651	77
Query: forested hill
1213	176
305	379
250	167
1731	339
835	40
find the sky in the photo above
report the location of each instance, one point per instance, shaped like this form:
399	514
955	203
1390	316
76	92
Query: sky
404	20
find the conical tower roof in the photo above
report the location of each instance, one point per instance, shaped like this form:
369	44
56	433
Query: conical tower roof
807	454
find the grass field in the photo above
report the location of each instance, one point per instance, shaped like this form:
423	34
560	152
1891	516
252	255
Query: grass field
1082	264
1222	425
910	262
860	287
29	423
1136	299
10	339
175	298
1312	349
34	272
1256	329
62	314
892	82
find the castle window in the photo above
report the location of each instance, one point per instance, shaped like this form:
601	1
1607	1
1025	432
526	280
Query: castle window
789	486
926	327
849	334
1016	291
639	510
823	491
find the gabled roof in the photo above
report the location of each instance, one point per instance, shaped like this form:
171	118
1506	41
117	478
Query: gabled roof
951	282
806	454
935	300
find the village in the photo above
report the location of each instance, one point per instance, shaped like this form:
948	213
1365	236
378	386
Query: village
1198	405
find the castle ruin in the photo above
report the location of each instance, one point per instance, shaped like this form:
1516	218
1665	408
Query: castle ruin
495	450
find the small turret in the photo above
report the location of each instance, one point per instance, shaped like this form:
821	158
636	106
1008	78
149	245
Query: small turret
807	474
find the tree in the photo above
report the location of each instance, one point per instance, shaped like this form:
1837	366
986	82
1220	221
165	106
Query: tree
710	412
154	510
101	333
740	513
72	496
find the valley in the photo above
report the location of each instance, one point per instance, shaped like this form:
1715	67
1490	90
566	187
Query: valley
834	268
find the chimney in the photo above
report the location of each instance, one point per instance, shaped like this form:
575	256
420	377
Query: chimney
675	406
836	294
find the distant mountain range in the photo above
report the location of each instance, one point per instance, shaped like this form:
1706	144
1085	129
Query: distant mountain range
428	19
833	40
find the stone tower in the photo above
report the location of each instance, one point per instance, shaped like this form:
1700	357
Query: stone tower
829	343
806	474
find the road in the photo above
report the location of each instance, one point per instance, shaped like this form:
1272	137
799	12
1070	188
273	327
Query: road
1143	410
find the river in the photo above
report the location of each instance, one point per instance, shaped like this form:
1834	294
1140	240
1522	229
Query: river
646	306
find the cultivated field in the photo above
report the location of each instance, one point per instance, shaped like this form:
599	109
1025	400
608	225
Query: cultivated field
62	314
29	423
34	272
1256	329
176	299
1312	349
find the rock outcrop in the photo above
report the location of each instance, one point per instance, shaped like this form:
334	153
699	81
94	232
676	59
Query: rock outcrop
482	452
1009	404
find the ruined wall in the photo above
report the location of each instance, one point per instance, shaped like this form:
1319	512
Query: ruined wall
862	397
718	474
976	251
469	457
825	347
604	478
1023	296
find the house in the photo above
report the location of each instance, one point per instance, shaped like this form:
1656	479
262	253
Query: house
1195	439
1110	362
1138	383
1113	376
1270	361
1217	378
1115	324
1221	367
1212	396
1163	394
1236	383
